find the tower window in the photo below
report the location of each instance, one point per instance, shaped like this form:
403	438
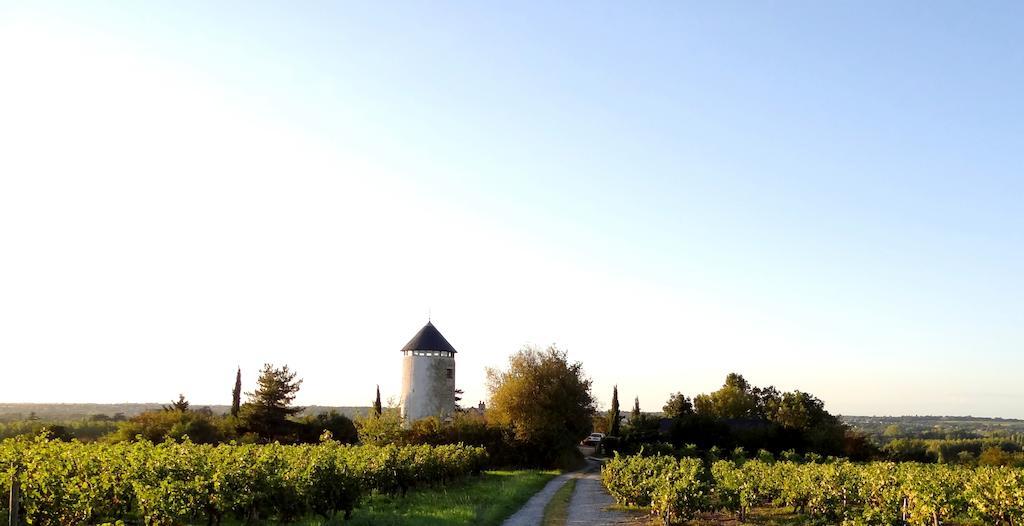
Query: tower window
450	373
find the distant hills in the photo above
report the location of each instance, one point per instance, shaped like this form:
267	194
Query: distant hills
59	412
55	412
883	429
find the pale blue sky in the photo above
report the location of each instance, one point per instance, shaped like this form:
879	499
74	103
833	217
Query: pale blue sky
819	195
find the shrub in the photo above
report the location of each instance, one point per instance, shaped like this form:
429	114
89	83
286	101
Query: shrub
681	493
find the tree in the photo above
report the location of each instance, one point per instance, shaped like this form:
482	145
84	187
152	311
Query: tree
614	418
158	426
677	406
181	405
636	409
382	429
544	400
340	427
767	401
377	408
893	431
994	456
268	408
799	410
236	394
735	400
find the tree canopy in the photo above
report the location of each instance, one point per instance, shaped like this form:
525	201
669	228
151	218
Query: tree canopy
267	409
543	398
678	405
760	417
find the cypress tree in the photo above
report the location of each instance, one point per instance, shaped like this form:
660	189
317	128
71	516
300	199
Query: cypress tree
636	410
377	409
614	416
236	394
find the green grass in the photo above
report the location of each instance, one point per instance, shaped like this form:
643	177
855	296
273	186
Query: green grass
556	513
486	500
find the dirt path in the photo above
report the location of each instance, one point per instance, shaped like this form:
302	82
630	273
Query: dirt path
532	513
590	503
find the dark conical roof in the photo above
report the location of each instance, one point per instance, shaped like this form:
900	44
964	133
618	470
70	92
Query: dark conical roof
428	339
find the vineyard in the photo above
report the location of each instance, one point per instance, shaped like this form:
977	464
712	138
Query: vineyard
178	483
839	492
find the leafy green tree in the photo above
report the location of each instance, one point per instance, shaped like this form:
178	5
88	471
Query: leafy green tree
268	408
614	418
341	428
544	399
377	408
159	426
380	430
236	394
424	431
799	410
995	456
909	450
892	431
642	429
678	405
767	399
734	400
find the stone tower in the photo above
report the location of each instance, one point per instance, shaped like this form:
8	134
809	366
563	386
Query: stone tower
428	376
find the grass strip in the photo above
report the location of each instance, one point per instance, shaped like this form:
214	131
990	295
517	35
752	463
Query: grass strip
556	513
486	500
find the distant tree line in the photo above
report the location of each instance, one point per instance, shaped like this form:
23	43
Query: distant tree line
267	415
540	407
740	415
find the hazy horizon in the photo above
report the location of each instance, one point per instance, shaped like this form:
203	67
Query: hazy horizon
819	196
5	410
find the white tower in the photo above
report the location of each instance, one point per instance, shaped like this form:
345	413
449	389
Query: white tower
428	376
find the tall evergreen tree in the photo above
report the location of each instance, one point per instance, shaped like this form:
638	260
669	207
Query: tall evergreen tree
267	410
614	417
377	408
636	410
236	394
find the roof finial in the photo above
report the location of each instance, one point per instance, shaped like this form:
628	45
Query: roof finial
428	315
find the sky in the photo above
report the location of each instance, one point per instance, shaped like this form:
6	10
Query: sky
824	196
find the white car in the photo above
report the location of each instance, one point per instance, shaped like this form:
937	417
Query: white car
593	440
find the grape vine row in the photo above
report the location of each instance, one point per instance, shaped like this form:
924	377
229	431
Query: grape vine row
72	483
837	492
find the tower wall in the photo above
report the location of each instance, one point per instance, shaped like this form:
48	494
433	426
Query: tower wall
427	387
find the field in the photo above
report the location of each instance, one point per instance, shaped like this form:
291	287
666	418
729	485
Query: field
836	492
171	483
